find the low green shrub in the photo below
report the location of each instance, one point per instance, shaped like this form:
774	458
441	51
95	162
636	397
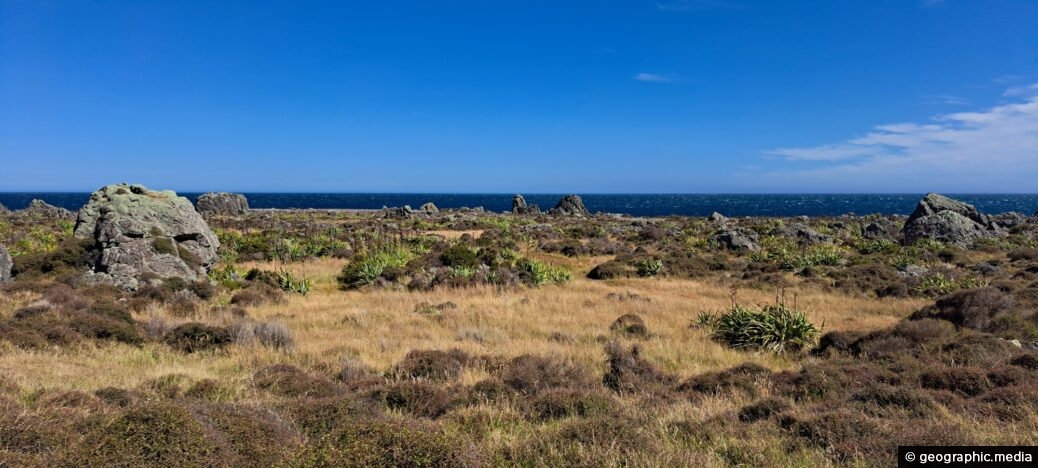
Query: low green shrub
192	337
155	434
460	256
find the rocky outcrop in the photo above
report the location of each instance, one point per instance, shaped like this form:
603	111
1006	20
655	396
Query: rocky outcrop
950	221
801	233
717	217
41	209
934	203
519	206
3	209
570	205
222	204
429	208
948	227
1008	220
144	234
5	264
404	212
738	239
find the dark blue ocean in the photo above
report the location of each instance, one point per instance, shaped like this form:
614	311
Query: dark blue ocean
635	204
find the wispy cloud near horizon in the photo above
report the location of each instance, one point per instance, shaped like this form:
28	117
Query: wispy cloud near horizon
985	150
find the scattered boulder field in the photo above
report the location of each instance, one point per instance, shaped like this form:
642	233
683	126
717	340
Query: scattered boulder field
142	277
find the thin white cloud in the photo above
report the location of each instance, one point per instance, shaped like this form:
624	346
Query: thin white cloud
1007	78
1021	90
949	99
654	78
987	150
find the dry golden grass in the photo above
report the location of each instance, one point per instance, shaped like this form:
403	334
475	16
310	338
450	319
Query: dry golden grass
378	327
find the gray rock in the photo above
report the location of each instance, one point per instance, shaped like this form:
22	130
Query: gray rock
222	204
5	264
948	227
519	206
986	268
950	221
518	203
41	209
802	233
738	239
404	212
717	217
882	228
429	208
3	209
914	271
570	205
1008	220
934	203
142	232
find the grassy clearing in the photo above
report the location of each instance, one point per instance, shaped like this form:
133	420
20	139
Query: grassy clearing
378	327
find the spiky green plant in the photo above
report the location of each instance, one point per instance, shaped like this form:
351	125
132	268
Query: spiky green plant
366	268
649	267
774	327
461	271
936	285
823	254
288	282
539	273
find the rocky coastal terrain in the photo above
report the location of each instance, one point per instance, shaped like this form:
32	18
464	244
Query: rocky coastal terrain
145	329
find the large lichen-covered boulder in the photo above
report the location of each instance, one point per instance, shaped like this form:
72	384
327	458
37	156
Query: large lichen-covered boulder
570	205
222	204
948	227
950	221
143	233
5	264
934	203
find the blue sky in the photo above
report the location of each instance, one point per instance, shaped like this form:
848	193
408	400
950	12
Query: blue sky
674	96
